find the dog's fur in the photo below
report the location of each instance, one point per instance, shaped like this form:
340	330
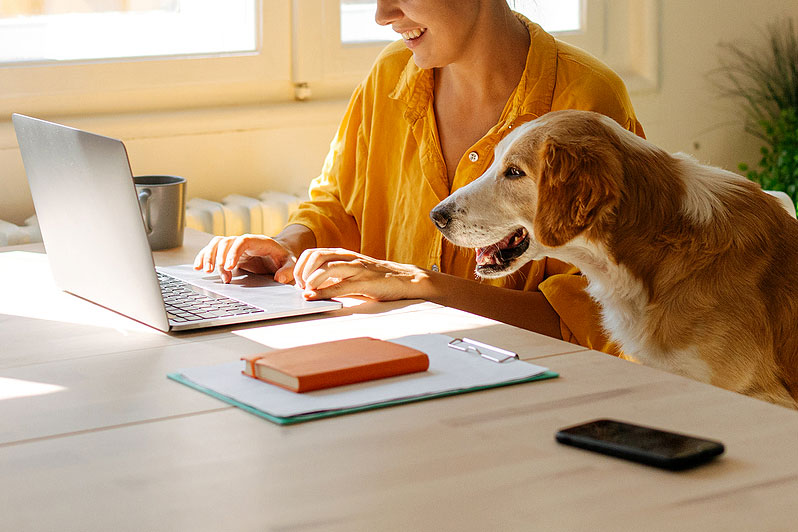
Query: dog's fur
695	268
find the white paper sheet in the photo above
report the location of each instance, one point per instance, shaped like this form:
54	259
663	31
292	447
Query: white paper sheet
449	370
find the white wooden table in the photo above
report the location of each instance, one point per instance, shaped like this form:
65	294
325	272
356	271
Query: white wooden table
93	436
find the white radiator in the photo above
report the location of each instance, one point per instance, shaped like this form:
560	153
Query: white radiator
234	215
13	235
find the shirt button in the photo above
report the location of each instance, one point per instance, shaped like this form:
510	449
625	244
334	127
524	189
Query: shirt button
473	156
434	267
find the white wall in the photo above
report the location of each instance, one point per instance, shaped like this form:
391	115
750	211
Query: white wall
281	147
685	114
243	150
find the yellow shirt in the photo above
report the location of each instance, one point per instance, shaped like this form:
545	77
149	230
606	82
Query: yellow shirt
385	169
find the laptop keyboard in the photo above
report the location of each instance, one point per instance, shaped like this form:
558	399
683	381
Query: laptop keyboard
186	303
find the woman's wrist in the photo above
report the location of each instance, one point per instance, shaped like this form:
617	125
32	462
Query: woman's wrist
427	284
296	238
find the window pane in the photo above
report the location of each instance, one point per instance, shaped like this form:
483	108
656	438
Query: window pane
64	30
553	15
358	25
357	18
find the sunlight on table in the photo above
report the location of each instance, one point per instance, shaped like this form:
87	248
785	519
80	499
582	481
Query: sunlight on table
28	291
392	324
16	388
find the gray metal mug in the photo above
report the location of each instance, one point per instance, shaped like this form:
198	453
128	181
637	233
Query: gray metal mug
162	199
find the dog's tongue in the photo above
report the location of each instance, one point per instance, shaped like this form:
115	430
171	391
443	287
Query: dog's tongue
490	254
483	255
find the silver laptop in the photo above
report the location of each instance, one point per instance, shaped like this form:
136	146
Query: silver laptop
96	243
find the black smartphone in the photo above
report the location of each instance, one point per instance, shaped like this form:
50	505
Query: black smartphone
646	445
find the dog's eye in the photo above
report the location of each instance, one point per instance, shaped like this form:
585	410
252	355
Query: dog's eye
513	172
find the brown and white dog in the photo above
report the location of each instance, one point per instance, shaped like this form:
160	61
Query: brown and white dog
695	268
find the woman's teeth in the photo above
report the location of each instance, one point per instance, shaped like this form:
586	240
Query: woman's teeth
412	34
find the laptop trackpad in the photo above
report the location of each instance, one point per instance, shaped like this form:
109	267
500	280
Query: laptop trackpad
258	290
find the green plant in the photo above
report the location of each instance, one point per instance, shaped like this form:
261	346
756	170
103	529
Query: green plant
779	162
765	78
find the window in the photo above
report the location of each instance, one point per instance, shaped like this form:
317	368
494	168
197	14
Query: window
70	30
580	22
358	26
555	16
149	55
70	56
357	18
332	52
622	33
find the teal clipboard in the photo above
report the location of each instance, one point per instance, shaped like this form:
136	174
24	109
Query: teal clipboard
300	418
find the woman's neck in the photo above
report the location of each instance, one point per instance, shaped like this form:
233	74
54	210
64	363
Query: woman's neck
471	93
490	68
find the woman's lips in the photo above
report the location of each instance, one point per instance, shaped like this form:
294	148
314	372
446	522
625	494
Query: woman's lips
412	37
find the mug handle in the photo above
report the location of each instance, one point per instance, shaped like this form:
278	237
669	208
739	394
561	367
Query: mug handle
144	200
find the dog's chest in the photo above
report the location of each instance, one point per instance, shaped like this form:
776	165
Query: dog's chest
623	301
625	316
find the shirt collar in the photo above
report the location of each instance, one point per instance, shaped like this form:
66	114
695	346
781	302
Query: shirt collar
414	88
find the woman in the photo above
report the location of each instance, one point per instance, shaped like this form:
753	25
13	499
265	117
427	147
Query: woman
422	124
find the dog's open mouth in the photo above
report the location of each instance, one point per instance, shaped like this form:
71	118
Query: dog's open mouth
497	257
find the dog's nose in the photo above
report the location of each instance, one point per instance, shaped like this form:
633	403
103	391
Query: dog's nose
440	216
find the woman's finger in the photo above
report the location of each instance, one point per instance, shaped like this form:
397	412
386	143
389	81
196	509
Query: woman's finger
205	259
335	272
222	249
367	289
237	247
312	259
285	273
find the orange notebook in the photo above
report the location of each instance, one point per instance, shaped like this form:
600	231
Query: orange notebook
329	364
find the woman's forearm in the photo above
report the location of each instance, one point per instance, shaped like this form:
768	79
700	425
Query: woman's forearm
526	309
326	273
296	238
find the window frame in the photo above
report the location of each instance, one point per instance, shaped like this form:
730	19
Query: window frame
154	83
624	34
305	50
319	59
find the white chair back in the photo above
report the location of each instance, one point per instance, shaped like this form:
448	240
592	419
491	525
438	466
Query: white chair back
784	199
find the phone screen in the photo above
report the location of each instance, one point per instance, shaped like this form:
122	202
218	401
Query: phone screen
642	444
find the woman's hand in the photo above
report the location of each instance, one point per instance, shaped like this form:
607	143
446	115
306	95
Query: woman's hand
253	253
325	273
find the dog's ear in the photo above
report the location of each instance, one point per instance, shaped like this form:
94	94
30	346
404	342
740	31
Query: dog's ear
576	184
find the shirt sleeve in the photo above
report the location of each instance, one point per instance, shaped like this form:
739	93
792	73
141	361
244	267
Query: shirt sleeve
580	315
584	83
329	212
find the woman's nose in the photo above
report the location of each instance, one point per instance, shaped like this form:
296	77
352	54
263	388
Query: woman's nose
387	13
